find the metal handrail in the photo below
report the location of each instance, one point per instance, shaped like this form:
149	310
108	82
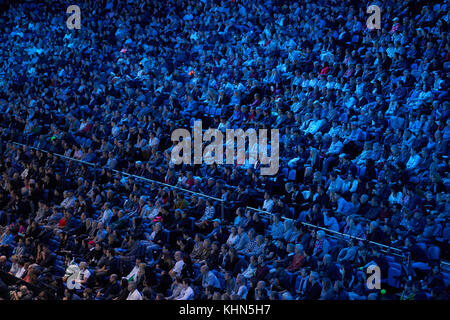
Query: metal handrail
399	252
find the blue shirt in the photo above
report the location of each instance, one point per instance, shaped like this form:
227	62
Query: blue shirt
7	239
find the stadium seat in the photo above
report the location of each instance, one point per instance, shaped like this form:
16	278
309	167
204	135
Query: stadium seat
292	175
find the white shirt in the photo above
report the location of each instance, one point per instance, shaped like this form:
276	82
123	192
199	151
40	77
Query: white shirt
20	273
135	295
106	216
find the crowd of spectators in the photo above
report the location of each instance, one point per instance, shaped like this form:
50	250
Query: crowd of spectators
364	131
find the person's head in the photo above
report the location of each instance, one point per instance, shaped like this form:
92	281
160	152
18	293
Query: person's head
98	246
186	283
178	256
216	223
364	198
288	224
215	246
224	248
157	227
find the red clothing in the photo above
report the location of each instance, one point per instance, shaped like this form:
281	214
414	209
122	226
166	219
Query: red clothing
297	263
